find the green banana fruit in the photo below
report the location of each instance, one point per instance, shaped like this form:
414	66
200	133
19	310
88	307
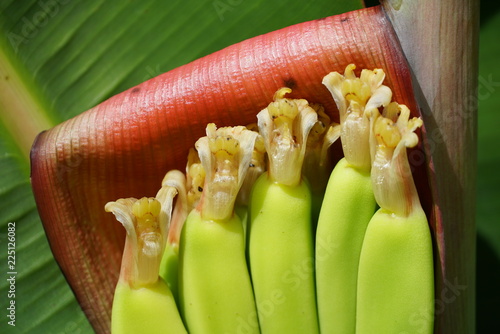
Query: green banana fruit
347	208
349	203
281	247
215	289
396	276
148	310
359	271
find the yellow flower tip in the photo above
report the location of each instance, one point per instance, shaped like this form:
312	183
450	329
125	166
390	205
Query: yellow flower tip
224	147
148	229
145	240
146	210
349	71
387	133
361	89
225	154
396	118
348	89
283	112
374	78
285	125
357	98
280	93
393	133
355	90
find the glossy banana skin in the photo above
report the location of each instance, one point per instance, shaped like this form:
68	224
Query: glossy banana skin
281	252
147	310
215	291
396	276
347	208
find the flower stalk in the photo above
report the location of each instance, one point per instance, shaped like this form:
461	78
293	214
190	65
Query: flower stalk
440	40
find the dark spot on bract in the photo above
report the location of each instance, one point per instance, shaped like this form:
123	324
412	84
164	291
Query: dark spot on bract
135	90
290	83
345	19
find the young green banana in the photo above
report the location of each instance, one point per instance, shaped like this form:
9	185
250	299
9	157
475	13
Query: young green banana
189	188
396	278
215	290
281	247
349	203
143	302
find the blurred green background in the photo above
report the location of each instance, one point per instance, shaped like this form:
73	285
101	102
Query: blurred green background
65	56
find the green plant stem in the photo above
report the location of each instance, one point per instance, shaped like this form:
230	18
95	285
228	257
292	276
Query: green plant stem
21	111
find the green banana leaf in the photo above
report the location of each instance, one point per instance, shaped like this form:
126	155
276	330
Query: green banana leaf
59	58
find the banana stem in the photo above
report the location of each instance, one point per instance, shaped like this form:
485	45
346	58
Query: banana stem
440	41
